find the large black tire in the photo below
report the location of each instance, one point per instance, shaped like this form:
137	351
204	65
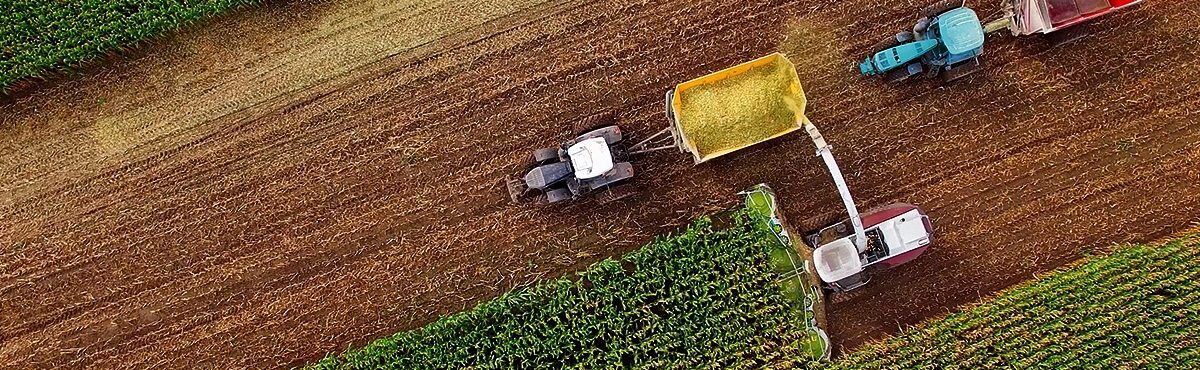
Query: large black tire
941	7
962	70
545	156
557	195
843	297
1068	35
595	122
882	45
902	74
895	40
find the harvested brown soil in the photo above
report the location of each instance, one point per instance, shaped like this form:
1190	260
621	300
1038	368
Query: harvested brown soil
302	177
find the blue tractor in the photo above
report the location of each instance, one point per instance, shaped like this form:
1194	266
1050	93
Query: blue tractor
947	40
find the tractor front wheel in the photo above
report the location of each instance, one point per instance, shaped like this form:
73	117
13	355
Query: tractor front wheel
904	73
881	46
595	122
557	195
894	41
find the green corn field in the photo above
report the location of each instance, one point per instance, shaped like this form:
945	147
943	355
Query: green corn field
705	298
41	36
711	298
1136	308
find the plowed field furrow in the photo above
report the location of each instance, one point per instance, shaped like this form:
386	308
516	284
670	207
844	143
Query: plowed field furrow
332	173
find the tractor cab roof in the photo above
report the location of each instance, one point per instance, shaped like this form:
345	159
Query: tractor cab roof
591	158
960	30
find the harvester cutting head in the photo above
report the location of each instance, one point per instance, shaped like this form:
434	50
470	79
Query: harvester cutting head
592	161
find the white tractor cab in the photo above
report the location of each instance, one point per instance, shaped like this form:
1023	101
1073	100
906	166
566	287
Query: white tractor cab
591	158
846	252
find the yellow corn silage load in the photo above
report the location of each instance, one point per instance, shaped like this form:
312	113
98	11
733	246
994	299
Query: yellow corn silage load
738	107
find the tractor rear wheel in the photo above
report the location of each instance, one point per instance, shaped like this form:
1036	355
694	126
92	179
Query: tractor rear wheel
962	70
545	156
557	195
594	122
941	7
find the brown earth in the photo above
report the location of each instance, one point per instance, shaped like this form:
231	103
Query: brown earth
302	177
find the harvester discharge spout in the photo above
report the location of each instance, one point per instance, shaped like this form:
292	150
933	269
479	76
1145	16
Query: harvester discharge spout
825	151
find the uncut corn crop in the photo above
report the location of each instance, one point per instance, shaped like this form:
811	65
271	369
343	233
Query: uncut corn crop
704	298
39	36
1136	308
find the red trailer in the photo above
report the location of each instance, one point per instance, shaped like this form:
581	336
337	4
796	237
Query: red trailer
1027	17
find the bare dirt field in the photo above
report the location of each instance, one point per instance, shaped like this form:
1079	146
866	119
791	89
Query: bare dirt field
302	177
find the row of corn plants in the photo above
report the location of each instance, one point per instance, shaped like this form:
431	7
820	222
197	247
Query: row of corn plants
1138	307
703	298
40	36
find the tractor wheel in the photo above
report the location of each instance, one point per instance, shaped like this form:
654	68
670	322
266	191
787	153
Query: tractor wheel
899	38
904	73
595	122
941	7
962	70
881	46
843	297
897	76
545	156
557	195
1067	36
